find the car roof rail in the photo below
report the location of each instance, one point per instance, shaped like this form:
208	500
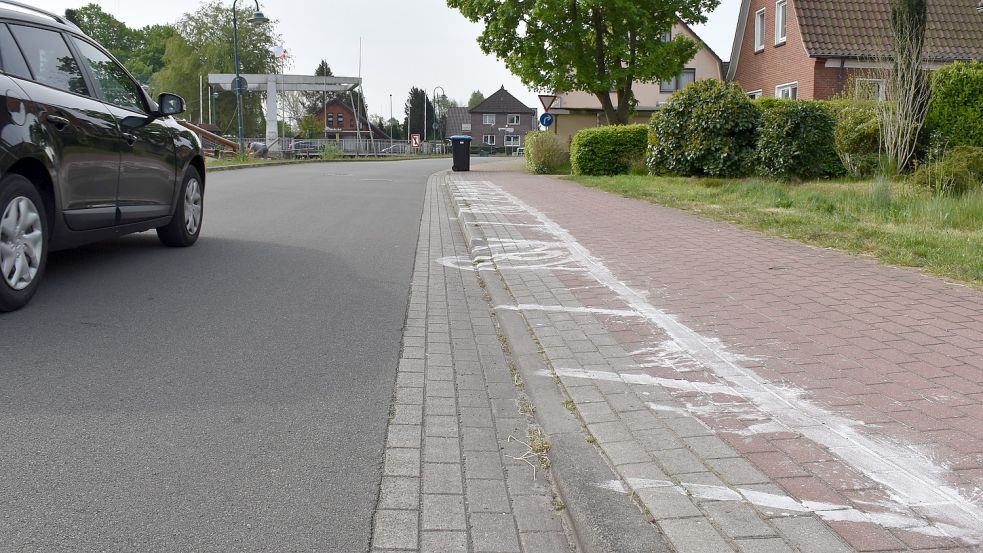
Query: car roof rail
58	18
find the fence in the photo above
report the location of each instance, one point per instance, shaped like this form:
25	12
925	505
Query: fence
348	147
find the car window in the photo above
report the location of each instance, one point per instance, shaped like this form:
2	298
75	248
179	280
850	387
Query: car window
116	86
10	56
50	59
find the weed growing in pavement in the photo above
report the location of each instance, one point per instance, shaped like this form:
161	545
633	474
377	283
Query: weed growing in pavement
559	505
570	405
526	407
505	343
539	445
591	439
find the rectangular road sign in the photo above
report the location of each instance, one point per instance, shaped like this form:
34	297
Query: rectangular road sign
415	140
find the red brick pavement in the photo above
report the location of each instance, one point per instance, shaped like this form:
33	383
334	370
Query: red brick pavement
896	349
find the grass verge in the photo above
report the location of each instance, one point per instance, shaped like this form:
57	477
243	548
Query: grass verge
887	220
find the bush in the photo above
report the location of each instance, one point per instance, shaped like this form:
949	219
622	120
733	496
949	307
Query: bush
957	103
708	128
858	137
331	151
544	152
959	171
654	162
609	150
796	141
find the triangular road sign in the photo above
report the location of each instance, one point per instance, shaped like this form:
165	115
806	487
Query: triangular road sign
547	100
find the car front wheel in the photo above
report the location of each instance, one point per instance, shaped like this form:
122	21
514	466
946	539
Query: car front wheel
23	241
185	226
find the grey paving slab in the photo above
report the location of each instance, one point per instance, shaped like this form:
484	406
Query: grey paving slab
455	410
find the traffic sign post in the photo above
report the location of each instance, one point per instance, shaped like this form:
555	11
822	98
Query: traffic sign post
547	120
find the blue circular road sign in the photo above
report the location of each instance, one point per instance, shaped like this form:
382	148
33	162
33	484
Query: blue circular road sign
547	120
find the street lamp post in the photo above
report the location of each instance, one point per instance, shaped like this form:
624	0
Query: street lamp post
392	128
436	115
256	19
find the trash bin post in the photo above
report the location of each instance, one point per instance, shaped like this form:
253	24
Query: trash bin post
461	146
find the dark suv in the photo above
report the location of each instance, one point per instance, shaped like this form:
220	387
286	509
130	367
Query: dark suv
85	154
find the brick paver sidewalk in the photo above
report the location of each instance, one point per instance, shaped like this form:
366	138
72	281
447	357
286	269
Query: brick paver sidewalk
756	394
454	475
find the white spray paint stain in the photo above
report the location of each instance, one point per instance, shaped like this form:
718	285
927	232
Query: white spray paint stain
912	478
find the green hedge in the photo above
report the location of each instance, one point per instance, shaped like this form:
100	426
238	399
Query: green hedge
708	129
858	137
957	103
797	141
544	152
611	150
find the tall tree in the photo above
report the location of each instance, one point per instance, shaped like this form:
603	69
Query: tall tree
908	90
204	45
415	110
476	98
588	45
140	50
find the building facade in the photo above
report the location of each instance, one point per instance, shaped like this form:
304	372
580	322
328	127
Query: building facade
501	122
340	123
816	49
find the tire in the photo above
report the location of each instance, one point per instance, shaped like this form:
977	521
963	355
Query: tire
185	226
23	241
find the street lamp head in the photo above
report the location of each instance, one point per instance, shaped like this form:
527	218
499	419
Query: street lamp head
258	18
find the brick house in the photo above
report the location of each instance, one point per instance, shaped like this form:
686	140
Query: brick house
340	123
815	49
576	111
501	121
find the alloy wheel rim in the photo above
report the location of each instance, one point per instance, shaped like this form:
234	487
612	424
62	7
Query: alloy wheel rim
192	207
21	243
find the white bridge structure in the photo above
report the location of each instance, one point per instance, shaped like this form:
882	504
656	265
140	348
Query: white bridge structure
274	84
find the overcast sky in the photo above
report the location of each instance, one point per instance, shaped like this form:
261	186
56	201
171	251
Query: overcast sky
405	43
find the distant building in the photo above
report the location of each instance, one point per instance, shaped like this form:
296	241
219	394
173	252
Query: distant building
575	111
815	49
501	121
458	122
340	123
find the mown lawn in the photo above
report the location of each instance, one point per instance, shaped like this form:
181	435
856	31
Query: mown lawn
890	221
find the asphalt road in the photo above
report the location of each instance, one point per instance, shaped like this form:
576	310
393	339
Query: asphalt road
230	396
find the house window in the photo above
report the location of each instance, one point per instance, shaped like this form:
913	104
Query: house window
488	119
514	119
329	121
668	36
869	89
754	94
488	139
513	140
759	30
781	21
790	90
687	77
341	120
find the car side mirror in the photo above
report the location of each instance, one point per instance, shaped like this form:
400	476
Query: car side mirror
170	104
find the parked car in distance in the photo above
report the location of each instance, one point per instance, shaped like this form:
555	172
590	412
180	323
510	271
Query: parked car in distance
85	153
306	149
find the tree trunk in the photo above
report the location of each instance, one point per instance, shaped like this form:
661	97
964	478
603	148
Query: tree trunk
610	111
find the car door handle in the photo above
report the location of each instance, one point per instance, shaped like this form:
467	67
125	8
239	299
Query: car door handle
59	122
130	138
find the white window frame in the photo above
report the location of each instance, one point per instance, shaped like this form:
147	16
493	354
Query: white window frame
881	87
755	94
514	119
488	139
760	17
781	13
488	119
513	140
789	86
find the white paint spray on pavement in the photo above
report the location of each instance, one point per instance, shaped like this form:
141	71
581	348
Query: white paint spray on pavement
912	478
